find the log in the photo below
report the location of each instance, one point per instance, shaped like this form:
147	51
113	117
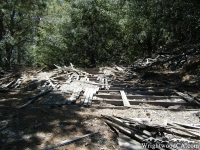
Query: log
68	141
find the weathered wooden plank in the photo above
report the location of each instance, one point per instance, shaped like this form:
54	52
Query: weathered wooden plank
131	134
139	107
106	84
166	104
33	98
88	97
188	98
126	142
138	97
84	96
187	125
138	92
102	83
48	79
74	96
125	100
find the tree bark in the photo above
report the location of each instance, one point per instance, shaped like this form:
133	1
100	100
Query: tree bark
1	34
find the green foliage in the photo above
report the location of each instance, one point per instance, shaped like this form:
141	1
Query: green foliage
17	22
93	32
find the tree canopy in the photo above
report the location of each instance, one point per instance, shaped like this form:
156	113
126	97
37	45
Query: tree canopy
93	32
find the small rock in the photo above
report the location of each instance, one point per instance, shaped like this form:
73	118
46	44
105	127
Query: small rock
148	114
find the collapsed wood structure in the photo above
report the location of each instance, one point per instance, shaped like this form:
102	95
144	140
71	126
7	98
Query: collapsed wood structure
117	87
68	85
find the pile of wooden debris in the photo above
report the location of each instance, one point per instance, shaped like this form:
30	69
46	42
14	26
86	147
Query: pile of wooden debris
142	130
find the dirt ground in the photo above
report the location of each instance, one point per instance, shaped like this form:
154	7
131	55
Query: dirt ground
37	126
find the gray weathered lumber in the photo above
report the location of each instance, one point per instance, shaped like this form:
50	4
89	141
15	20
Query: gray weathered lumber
126	143
119	68
127	132
50	82
125	125
9	84
118	102
106	84
74	96
187	125
165	93
84	96
186	97
137	97
138	120
184	130
102	83
88	97
125	100
68	141
33	98
145	108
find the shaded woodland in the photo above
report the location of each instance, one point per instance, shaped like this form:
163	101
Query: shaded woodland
92	33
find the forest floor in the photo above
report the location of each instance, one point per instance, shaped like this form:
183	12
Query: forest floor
37	126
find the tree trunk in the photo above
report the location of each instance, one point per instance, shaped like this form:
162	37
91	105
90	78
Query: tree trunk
18	53
18	56
8	54
1	35
149	45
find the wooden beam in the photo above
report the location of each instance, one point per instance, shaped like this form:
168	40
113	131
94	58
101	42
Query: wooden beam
167	93
84	96
125	100
166	104
88	96
138	97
